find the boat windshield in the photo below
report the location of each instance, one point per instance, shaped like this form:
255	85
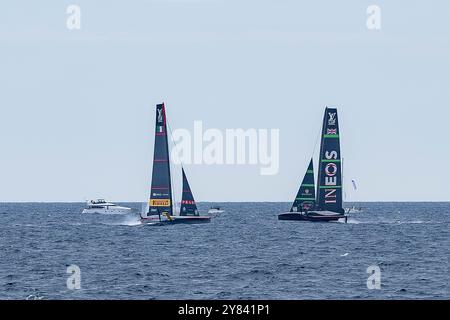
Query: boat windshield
100	204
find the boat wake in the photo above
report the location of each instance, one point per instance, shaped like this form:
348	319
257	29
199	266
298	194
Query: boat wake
131	221
389	222
128	220
404	222
34	297
351	220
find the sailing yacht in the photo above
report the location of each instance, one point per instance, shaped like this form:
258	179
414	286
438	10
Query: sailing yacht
160	209
327	205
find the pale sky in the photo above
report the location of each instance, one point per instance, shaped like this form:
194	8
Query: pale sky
77	106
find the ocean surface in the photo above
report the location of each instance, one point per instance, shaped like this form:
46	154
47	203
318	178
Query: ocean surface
244	253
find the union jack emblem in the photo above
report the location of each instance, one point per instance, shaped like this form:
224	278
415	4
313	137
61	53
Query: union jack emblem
331	131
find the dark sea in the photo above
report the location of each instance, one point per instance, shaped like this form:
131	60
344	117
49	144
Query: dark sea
244	253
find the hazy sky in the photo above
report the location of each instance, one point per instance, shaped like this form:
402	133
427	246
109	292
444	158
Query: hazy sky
77	106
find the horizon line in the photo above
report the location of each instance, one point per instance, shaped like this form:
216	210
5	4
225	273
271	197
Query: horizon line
121	201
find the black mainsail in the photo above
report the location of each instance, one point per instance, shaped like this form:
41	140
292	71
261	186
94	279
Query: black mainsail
329	194
161	190
188	206
328	203
306	196
160	204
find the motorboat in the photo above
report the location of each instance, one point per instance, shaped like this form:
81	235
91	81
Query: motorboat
103	207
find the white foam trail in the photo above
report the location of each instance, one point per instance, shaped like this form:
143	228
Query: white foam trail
344	255
353	221
131	221
34	297
349	220
144	209
402	222
113	213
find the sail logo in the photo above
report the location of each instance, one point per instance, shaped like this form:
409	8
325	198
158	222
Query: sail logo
331	131
159	202
160	194
331	118
232	147
330	171
160	116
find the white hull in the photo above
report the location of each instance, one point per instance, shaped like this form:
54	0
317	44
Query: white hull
214	211
110	210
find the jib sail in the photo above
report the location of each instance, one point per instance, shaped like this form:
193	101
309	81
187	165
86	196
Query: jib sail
306	196
188	206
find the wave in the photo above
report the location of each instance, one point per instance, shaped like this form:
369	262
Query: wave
352	221
128	220
400	222
394	222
